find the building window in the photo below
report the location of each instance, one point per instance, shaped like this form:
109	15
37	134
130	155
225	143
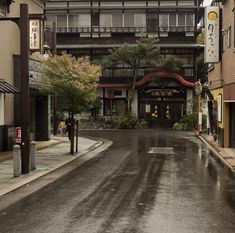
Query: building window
186	3
172	20
117	20
105	20
49	20
123	20
73	20
167	3
223	42
118	106
176	20
229	37
163	20
84	20
181	19
62	20
140	20
189	20
129	20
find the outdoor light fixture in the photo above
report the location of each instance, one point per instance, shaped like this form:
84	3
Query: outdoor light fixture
46	48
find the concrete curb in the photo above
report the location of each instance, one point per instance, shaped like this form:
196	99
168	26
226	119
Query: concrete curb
216	152
28	178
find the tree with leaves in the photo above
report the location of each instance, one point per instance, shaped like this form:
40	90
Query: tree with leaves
171	63
144	54
73	80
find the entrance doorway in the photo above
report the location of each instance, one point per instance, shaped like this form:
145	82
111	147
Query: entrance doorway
161	114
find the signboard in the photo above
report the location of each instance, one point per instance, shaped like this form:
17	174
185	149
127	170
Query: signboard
212	33
18	134
34	34
219	108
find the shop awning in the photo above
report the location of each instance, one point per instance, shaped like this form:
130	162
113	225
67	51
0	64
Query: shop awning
8	88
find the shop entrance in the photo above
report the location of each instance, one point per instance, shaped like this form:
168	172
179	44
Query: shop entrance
161	114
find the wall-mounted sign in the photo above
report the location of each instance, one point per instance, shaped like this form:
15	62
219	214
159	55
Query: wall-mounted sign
34	34
212	32
219	108
18	134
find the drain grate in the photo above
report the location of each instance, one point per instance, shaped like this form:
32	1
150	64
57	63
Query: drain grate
161	150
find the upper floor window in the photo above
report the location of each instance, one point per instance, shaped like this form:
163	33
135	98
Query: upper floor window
64	21
223	42
229	37
123	20
61	20
49	20
178	20
186	3
81	20
168	3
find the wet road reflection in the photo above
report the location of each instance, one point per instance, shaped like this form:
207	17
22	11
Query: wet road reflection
127	189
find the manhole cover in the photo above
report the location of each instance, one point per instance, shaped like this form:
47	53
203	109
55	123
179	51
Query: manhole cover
161	150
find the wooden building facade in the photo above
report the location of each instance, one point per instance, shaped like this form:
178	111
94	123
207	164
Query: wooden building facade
93	27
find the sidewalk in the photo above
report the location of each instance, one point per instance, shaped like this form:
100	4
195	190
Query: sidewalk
226	155
51	155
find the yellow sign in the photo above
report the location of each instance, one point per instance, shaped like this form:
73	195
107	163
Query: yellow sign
212	31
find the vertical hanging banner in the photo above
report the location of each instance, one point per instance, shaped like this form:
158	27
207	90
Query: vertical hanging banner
212	34
34	34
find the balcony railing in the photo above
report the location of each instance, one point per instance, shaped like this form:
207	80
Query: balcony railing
120	73
98	29
101	29
179	29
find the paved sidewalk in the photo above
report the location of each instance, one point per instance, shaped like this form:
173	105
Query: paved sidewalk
226	155
50	156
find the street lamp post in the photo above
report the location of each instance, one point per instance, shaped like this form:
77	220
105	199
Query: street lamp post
198	90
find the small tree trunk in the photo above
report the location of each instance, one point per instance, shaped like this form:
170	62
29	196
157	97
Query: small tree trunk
131	92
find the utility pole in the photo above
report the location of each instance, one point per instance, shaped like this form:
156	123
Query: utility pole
24	63
55	120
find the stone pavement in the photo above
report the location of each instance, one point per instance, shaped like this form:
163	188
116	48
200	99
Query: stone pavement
226	155
51	155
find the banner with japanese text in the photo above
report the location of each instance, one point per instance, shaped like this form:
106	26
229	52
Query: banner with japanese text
212	34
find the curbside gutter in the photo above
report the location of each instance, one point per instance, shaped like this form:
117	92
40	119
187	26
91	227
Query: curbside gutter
216	151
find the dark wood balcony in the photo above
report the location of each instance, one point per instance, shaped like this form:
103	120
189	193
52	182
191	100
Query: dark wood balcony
98	29
121	75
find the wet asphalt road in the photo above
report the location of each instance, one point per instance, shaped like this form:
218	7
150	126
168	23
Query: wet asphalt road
128	190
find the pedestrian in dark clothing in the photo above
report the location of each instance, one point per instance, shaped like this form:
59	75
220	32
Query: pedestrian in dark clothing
69	126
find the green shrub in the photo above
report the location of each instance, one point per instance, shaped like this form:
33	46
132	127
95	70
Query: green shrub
190	122
179	126
124	121
141	124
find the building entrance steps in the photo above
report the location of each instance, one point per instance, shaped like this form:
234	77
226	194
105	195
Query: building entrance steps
51	155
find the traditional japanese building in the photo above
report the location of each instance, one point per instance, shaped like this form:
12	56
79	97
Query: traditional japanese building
10	89
93	27
222	76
